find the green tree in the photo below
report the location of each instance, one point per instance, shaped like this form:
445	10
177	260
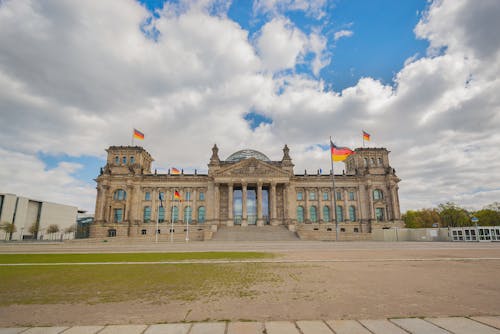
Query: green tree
423	218
452	215
488	217
8	228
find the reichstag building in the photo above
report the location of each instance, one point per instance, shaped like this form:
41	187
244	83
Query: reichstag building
248	192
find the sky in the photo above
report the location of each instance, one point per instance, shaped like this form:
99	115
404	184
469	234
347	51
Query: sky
422	77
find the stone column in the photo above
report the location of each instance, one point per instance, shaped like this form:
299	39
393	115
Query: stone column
244	221
286	197
168	205
306	205
260	221
395	205
194	209
346	208
154	205
128	206
370	200
230	206
100	203
274	221
216	203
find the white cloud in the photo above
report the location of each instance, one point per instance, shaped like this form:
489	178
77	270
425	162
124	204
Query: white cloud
76	77
313	8
25	175
342	33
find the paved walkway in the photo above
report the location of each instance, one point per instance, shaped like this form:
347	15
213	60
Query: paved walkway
454	325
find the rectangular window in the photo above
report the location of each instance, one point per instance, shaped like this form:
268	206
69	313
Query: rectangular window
338	196
124	160
147	214
300	196
379	212
118	215
351	195
325	196
117	160
147	196
202	196
132	160
312	195
188	195
143	232
161	196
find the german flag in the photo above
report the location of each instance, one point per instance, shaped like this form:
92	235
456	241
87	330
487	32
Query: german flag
340	153
138	134
175	171
366	136
177	195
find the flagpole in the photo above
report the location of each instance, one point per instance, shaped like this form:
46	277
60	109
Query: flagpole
171	221
187	227
157	221
334	195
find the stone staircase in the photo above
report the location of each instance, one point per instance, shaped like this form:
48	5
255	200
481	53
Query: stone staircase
254	233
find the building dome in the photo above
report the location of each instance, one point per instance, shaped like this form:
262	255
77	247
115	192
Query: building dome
245	154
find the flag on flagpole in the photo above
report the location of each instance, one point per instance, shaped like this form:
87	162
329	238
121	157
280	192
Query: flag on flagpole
366	136
138	134
340	153
177	195
175	171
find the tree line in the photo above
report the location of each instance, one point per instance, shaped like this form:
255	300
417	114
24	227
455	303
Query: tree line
452	215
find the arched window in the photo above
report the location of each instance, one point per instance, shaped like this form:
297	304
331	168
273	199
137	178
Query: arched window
340	214
300	214
175	213
161	214
313	215
326	213
188	214
377	194
373	161
366	162
117	160
380	161
147	214
201	214
132	160
124	160
352	213
120	195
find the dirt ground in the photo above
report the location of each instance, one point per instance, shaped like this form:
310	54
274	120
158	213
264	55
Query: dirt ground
355	282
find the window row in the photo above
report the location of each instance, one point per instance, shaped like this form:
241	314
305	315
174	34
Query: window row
124	160
313	214
326	195
120	195
188	214
373	162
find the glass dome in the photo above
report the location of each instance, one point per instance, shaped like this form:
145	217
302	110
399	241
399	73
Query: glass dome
245	154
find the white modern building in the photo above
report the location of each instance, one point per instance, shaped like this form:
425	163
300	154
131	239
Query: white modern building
29	215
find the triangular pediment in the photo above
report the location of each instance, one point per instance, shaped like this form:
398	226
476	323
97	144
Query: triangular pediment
251	167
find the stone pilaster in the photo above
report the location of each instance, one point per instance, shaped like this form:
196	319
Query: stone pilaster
230	206
274	220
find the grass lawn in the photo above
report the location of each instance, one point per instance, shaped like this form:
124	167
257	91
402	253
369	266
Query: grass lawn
129	257
116	283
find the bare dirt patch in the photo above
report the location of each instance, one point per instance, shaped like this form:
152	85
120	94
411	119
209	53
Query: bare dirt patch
300	291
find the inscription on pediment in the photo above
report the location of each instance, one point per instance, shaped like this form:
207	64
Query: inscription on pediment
251	168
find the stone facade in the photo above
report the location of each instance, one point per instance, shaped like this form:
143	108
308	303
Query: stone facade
245	189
